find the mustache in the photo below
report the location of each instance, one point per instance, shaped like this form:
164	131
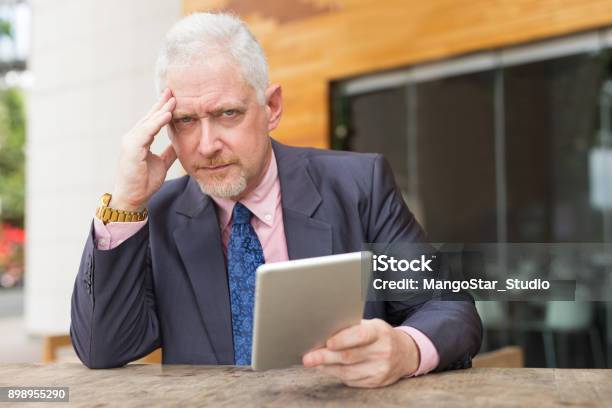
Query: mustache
218	161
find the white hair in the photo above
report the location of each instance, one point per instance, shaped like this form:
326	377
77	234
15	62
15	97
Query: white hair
201	35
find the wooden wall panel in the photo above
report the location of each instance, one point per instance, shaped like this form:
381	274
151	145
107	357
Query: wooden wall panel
311	42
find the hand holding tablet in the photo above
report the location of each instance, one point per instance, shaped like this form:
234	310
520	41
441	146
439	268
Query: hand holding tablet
309	311
300	304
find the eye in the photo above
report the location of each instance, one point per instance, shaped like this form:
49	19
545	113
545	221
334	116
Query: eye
230	112
183	122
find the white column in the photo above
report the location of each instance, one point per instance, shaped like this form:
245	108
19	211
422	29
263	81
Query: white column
92	63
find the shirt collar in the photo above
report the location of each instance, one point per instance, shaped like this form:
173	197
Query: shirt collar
261	201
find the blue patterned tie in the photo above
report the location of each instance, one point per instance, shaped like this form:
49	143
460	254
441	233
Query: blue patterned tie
244	255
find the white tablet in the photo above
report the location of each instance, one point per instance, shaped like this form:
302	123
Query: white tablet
300	304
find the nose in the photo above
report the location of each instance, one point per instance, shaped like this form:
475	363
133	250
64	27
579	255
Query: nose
210	144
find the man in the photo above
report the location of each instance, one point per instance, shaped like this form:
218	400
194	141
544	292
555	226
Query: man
172	264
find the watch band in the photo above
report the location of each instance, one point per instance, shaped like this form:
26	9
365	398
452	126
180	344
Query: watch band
106	214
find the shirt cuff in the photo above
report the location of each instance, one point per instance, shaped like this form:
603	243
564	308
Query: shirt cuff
111	235
429	355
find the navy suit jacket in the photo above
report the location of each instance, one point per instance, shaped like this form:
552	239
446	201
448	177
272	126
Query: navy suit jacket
166	286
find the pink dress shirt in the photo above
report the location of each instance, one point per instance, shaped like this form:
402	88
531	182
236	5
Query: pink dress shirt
265	204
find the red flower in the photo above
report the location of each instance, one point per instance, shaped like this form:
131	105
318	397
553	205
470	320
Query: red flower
11	245
12	234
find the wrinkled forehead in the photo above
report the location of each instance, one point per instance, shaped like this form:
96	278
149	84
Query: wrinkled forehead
211	82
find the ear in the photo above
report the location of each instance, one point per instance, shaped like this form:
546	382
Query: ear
274	105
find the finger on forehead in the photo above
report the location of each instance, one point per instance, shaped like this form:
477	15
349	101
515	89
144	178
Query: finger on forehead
166	107
169	105
163	98
151	128
354	336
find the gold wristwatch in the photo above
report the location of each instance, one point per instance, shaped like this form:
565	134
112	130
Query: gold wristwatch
107	214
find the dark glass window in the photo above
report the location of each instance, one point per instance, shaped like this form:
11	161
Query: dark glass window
503	155
551	121
455	154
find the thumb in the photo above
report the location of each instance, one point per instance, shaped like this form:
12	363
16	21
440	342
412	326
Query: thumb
168	156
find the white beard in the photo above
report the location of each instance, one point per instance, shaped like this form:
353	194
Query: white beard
225	189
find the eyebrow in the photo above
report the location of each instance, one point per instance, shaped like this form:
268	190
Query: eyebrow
181	114
236	104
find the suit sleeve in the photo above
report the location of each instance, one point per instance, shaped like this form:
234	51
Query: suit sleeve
453	326
113	314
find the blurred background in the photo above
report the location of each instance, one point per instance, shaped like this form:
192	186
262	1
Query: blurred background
494	114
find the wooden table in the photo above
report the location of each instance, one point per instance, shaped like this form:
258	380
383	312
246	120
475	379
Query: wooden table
194	386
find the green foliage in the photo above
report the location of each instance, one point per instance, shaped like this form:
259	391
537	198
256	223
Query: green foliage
6	30
12	156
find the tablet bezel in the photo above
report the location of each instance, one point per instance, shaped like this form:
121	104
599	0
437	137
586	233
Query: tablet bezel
293	300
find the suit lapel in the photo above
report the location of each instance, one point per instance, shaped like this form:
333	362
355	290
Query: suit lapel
199	243
306	236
